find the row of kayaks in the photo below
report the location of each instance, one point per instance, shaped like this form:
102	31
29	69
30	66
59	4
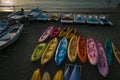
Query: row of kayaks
77	46
10	35
36	14
59	75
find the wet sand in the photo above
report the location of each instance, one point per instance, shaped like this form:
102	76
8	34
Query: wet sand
15	61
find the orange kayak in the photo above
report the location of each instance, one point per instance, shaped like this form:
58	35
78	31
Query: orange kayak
81	49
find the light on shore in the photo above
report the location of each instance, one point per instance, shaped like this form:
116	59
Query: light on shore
7	2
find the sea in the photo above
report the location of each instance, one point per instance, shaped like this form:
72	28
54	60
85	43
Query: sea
8	5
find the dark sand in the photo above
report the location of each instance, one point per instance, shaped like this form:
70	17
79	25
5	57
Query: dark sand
15	61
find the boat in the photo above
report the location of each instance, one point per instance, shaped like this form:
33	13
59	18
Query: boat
72	53
64	31
75	75
104	20
67	18
46	76
32	15
61	51
36	75
54	16
116	52
19	15
3	25
108	51
67	73
46	34
91	19
102	64
55	32
79	18
43	17
59	75
81	49
92	51
38	52
71	33
10	35
49	51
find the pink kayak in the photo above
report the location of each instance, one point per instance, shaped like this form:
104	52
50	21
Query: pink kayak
102	65
92	51
46	34
55	32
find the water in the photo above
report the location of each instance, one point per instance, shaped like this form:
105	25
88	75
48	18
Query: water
58	4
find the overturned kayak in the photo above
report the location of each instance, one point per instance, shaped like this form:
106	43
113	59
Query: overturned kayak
81	49
49	51
46	34
92	51
116	52
61	51
102	65
46	76
72	53
36	75
59	75
38	52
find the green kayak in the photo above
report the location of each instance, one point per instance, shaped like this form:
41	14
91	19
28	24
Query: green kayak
38	52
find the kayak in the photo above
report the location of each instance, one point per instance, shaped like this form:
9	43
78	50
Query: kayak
79	18
58	75
66	18
61	51
67	73
92	19
64	31
36	75
108	51
3	25
72	53
46	76
46	34
71	33
38	52
54	16
102	65
116	52
55	32
92	51
75	75
81	49
49	51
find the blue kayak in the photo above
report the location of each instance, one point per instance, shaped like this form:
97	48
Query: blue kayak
108	51
61	51
67	73
75	73
92	19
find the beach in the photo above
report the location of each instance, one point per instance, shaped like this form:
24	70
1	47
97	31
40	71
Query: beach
15	61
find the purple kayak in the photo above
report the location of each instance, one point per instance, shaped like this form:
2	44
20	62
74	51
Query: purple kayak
92	51
46	34
102	65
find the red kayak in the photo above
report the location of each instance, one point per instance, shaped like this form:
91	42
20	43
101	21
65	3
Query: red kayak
81	49
46	34
92	51
55	32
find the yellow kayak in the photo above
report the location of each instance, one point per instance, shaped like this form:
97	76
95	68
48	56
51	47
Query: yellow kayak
71	33
64	31
116	52
59	75
49	51
46	76
72	53
36	75
38	52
